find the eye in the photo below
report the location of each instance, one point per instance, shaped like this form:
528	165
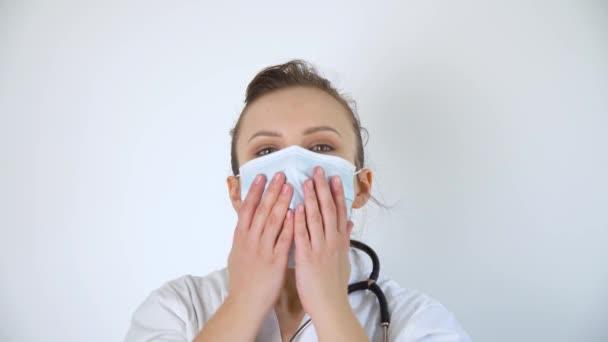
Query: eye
322	148
265	151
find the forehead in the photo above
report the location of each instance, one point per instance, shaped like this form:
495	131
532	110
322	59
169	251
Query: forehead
292	110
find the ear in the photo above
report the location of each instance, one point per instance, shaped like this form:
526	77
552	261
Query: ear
234	191
363	188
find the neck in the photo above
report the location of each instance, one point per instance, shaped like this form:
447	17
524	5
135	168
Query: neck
289	302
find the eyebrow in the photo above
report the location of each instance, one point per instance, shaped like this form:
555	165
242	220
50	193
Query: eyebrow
307	131
320	128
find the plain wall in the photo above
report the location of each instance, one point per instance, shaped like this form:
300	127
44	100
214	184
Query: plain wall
488	137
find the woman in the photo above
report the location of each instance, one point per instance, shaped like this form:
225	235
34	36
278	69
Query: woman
290	261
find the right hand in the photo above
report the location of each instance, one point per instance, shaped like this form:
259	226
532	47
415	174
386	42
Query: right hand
263	235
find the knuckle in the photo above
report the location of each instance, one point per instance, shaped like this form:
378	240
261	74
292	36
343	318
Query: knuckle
273	189
252	196
268	255
315	216
263	207
284	238
301	232
273	220
246	248
244	209
338	193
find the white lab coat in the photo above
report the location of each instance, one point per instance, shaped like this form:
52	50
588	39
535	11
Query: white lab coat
178	310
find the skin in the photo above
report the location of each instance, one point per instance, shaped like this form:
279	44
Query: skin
257	265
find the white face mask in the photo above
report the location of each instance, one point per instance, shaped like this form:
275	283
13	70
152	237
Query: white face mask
298	164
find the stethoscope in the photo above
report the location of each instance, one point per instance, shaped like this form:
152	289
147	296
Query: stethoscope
369	284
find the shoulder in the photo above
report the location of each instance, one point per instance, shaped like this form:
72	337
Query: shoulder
177	310
416	316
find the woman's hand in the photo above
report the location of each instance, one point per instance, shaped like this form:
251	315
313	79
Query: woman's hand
322	236
258	260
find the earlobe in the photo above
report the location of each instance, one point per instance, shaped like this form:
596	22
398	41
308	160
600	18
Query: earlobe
364	188
234	191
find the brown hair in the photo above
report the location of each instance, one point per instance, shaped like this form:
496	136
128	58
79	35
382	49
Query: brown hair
297	73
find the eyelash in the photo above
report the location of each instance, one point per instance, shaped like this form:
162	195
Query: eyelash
259	154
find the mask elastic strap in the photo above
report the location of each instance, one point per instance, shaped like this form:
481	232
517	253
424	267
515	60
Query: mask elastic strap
363	168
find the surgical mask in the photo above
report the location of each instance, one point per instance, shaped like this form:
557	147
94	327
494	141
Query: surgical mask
298	164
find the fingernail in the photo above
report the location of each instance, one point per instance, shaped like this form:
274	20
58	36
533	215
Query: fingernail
258	178
289	214
277	176
319	171
337	181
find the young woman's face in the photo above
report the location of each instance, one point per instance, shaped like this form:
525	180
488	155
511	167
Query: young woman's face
303	116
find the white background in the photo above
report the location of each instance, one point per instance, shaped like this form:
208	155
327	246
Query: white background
488	134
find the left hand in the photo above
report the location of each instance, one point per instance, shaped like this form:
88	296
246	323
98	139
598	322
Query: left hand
322	238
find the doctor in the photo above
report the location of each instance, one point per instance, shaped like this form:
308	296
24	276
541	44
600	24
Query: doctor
298	164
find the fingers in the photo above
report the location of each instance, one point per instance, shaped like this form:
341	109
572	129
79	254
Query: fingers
276	219
349	228
286	236
340	202
326	204
301	233
252	199
314	221
266	204
322	217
